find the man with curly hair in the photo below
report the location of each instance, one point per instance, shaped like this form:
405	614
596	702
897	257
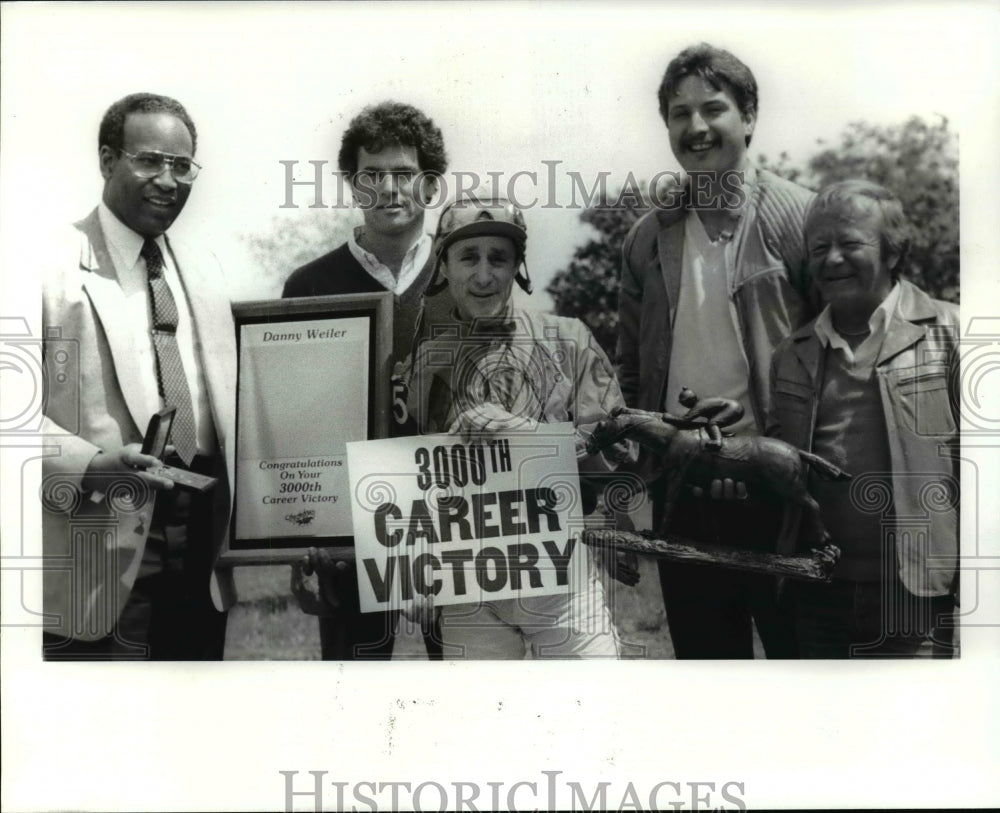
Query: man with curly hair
392	154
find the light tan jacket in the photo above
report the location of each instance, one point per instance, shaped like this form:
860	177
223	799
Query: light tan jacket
93	544
917	371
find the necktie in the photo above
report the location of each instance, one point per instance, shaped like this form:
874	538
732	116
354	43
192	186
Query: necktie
169	370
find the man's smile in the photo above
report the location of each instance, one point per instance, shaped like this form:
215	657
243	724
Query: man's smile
837	276
700	146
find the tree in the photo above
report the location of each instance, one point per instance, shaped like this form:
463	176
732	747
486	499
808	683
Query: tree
588	288
296	238
915	160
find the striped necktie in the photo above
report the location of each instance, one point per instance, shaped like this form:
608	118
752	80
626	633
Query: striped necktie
169	369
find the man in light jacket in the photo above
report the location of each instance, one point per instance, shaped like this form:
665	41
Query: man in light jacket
871	386
135	322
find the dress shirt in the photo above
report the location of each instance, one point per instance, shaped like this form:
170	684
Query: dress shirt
124	246
413	262
862	359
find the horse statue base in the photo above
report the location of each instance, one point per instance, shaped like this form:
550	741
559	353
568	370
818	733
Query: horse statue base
817	567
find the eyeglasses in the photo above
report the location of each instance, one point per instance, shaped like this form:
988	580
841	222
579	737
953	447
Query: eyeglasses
150	164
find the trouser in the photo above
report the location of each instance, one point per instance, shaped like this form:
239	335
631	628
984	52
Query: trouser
710	613
711	610
169	614
573	625
878	619
350	635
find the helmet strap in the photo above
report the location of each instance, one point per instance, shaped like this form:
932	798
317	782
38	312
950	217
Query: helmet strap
522	278
438	282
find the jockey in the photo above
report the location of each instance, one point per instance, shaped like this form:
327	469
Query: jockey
496	368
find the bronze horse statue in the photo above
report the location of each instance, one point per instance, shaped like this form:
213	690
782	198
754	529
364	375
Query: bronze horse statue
688	454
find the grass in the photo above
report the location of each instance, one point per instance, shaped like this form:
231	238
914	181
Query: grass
267	623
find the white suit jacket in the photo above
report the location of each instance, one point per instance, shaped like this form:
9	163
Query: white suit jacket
93	545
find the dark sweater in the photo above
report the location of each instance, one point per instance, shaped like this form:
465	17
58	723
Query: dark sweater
340	273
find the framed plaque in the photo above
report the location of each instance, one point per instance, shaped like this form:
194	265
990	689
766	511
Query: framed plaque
313	375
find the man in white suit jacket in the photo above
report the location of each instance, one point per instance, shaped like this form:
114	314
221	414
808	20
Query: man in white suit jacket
131	558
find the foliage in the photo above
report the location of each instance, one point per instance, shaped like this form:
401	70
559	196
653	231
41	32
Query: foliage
295	238
588	288
267	623
915	160
918	162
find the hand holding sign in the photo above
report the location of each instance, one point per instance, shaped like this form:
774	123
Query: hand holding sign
420	610
489	419
313	581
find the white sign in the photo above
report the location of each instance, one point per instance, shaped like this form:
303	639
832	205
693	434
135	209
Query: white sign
465	522
300	384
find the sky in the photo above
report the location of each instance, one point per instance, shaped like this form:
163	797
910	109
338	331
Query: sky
511	86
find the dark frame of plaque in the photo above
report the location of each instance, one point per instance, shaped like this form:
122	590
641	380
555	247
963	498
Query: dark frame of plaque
377	308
